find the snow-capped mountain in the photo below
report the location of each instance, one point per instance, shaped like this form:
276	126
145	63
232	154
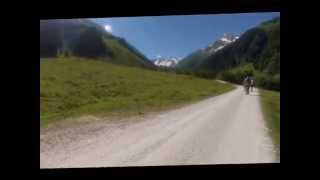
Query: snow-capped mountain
221	43
166	62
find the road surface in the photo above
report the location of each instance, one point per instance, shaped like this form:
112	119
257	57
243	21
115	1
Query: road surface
227	129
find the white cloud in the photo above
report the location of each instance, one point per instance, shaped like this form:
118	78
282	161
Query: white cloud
108	28
158	56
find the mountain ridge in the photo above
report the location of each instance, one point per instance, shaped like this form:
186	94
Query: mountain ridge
85	38
259	45
194	59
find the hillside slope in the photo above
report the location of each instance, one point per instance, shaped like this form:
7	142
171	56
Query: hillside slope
73	86
193	60
84	38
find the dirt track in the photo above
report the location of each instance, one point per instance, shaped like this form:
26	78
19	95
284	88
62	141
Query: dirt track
227	129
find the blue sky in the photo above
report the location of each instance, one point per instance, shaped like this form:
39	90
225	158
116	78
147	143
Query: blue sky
178	36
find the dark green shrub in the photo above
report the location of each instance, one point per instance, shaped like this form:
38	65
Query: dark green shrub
263	80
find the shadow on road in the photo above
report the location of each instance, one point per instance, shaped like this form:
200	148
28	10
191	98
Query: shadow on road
254	95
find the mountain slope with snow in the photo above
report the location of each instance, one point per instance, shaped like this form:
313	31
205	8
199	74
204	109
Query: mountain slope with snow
259	46
221	43
196	57
166	62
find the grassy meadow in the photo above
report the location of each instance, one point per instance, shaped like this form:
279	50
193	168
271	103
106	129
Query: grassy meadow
74	86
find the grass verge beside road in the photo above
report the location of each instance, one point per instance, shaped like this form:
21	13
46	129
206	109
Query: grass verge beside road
270	102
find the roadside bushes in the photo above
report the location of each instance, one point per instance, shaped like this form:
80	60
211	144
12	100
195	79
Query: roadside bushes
263	80
267	81
236	75
275	82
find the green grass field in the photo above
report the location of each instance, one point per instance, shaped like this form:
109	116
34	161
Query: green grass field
72	87
270	101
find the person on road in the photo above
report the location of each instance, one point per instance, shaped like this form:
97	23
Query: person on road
246	84
252	84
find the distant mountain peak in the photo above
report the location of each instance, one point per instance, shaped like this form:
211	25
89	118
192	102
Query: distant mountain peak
166	62
221	43
228	38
